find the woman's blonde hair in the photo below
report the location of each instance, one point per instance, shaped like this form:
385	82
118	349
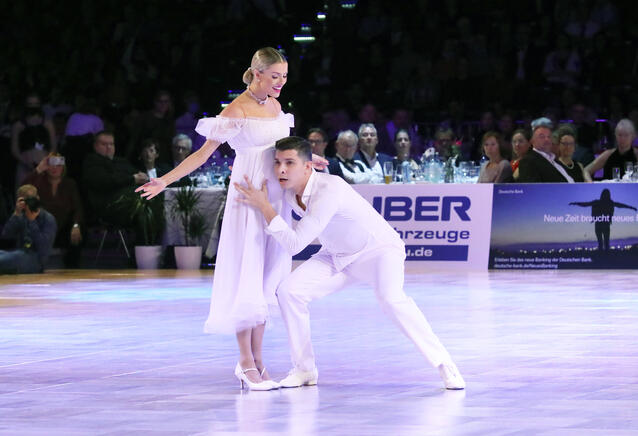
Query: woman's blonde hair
262	59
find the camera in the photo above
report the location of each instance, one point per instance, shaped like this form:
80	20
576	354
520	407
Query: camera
33	203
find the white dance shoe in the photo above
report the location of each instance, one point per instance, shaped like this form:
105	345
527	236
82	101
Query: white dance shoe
451	376
274	384
240	373
296	378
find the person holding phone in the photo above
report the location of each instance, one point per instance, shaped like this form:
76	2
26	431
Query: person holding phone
60	196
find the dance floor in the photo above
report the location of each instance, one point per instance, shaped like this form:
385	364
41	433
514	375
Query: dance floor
122	352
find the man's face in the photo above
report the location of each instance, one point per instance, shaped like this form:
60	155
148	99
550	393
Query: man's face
542	139
180	150
346	148
291	171
149	154
368	139
105	146
317	142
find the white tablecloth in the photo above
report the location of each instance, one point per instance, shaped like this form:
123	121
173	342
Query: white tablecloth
211	205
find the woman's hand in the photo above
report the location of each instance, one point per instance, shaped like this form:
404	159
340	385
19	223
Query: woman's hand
152	188
318	162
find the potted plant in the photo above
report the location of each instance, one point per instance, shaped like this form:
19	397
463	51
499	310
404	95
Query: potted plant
185	209
148	220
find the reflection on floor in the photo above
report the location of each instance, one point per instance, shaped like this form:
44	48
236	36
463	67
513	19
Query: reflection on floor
122	352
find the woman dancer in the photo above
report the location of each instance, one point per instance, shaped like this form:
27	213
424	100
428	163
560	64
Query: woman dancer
250	265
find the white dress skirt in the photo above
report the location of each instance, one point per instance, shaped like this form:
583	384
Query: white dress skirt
250	264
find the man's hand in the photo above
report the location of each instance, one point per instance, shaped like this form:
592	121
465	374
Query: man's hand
140	178
43	165
76	236
257	198
20	206
319	163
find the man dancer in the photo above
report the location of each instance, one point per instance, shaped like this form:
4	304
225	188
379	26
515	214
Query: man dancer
357	245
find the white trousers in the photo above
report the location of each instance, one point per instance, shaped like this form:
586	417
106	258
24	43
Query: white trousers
383	269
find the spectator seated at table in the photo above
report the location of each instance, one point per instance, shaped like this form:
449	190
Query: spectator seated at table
403	145
60	196
402	119
498	169
181	148
566	136
353	171
33	230
539	164
318	139
520	147
368	141
443	143
106	178
619	156
147	160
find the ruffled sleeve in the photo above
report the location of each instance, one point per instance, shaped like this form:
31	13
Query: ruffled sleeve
220	129
289	120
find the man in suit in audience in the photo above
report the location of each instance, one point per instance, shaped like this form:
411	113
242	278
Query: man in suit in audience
539	164
107	177
354	171
318	139
368	141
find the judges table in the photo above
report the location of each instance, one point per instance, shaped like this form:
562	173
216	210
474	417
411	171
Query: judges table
480	226
211	206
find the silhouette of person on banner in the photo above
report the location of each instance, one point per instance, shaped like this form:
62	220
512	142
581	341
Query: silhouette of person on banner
602	211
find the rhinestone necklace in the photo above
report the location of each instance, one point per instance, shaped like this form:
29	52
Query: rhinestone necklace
257	99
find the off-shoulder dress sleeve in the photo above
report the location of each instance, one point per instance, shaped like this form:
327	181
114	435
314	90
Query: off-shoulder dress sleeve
220	129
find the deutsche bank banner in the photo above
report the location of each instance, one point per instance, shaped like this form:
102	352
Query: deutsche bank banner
448	225
565	226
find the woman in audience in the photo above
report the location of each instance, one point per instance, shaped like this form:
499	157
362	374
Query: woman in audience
566	137
402	145
147	160
619	156
498	169
520	146
59	195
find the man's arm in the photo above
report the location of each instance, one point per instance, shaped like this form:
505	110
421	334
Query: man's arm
356	178
527	171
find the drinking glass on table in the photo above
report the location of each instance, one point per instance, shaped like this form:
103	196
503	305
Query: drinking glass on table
388	171
629	170
615	173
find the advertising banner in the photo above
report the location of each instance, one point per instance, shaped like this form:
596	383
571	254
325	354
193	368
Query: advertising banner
447	225
564	226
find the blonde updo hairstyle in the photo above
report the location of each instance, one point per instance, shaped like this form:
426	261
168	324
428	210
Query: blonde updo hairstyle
262	59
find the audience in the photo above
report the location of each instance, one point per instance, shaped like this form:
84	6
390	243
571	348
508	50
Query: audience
59	195
106	178
498	169
147	160
619	156
353	171
402	145
566	137
368	141
157	123
318	140
520	146
539	164
33	230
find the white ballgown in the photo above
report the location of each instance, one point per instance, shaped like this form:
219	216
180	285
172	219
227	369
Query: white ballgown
250	264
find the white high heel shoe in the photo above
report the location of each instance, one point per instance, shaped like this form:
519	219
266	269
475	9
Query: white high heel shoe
243	380
274	384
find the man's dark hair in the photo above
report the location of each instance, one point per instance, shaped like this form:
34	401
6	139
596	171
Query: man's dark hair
102	133
295	143
320	131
